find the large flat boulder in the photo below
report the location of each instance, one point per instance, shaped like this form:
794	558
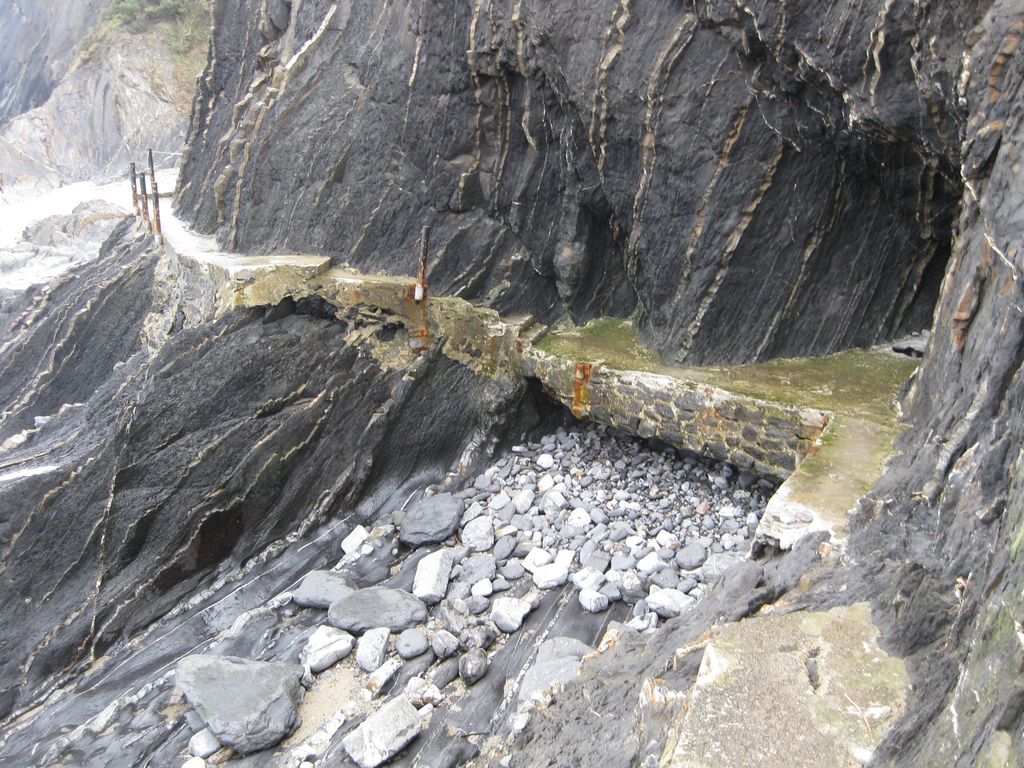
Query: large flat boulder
373	607
430	520
319	589
248	705
384	733
558	661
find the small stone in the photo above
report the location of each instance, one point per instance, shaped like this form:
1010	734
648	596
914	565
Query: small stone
622	562
667	540
599	561
650	564
611	592
478	567
354	540
593	601
669	603
513	570
508	613
643	623
588	578
523	500
536	558
565	557
384	733
499	501
421	691
545	461
411	643
545	484
691	557
432	574
666	579
552	503
372	648
579	518
482	588
478	534
718	564
376	607
383	675
194	762
481	636
203	744
248	705
477	604
504	547
550	576
325	647
444	644
473	666
619	531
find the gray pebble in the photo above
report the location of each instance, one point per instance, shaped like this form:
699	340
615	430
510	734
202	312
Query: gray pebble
411	643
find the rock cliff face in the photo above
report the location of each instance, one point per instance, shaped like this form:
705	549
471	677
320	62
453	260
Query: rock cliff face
161	461
82	96
749	179
614	158
38	39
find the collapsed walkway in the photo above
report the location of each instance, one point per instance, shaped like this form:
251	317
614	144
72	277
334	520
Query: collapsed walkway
824	426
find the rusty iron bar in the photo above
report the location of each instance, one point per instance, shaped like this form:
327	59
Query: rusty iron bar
157	230
581	389
421	283
135	189
145	200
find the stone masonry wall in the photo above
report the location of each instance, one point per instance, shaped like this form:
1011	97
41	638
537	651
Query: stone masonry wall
769	439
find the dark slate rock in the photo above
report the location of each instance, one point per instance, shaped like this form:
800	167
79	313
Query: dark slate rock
373	607
473	666
430	520
248	705
321	588
411	643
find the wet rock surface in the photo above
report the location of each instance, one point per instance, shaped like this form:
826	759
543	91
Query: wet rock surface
180	479
247	705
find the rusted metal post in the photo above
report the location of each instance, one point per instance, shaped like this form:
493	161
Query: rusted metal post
157	230
135	190
145	201
421	284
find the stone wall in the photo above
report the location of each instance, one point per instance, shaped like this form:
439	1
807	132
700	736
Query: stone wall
769	439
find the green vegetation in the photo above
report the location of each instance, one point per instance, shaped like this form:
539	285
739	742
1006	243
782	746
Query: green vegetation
180	27
137	14
608	340
186	21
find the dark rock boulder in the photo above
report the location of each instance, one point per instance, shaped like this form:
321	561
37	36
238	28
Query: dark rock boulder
372	607
248	705
430	520
319	589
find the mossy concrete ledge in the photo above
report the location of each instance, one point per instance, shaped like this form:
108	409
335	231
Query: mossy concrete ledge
824	426
769	439
801	689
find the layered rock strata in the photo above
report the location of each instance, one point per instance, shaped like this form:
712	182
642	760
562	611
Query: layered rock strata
609	160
